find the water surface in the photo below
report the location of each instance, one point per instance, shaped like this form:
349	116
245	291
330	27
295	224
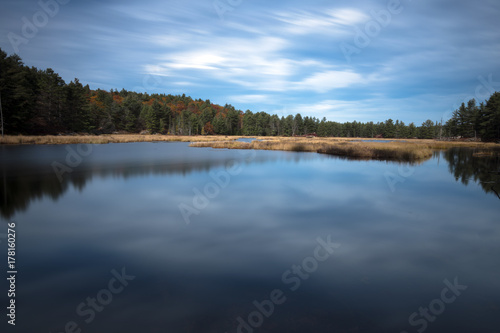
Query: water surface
209	233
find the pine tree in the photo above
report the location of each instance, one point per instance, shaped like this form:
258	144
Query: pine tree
298	125
491	119
18	89
151	121
50	101
390	129
75	115
427	130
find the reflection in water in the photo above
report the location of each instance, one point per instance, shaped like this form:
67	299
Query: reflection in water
25	179
467	165
120	208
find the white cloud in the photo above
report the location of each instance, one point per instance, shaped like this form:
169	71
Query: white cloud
347	16
326	81
259	64
183	83
376	108
254	64
336	110
332	21
250	98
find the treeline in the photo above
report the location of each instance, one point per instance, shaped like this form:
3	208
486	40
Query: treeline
35	101
474	120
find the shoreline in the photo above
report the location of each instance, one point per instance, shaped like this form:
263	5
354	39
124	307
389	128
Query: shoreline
106	138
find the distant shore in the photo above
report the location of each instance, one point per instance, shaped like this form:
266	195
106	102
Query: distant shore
406	150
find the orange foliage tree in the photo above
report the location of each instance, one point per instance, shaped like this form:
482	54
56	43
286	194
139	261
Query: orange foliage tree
208	129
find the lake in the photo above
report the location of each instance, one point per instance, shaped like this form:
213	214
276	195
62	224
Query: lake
161	237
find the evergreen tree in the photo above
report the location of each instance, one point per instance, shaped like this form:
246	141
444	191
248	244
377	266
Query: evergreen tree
50	100
298	125
18	93
75	113
427	130
389	129
471	119
248	123
412	131
490	119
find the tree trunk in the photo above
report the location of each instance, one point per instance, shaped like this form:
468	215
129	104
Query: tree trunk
1	112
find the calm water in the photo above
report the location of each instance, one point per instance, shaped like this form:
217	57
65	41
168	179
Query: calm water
247	139
160	237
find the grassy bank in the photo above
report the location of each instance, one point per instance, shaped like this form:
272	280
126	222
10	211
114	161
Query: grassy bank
103	139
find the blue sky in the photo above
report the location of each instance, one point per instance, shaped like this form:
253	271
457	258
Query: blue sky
343	60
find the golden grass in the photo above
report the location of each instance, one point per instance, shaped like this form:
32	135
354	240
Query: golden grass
103	139
398	150
360	150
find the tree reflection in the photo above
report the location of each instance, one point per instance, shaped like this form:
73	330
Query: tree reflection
20	187
22	184
475	165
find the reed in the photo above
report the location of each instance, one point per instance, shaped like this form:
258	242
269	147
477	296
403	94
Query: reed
380	151
398	150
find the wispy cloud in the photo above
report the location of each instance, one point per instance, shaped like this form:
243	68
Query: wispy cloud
262	68
251	98
325	81
329	21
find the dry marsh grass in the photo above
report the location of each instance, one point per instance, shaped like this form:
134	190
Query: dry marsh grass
103	139
359	150
397	150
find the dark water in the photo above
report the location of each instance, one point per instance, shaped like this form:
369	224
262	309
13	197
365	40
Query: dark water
160	237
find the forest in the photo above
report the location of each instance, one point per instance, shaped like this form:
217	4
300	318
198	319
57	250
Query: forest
38	102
